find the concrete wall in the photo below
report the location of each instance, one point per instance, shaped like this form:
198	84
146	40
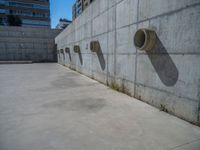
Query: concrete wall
33	44
168	77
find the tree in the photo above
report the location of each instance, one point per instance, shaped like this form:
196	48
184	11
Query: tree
14	20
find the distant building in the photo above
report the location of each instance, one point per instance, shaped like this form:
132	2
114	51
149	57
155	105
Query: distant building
80	6
74	11
63	23
86	3
33	13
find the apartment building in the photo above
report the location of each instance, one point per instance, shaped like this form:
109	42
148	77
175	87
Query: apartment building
80	6
74	11
63	23
33	13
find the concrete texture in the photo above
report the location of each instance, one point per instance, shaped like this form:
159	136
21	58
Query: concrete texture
49	107
168	77
27	44
16	62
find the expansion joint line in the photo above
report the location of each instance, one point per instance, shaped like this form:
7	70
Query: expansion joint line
136	51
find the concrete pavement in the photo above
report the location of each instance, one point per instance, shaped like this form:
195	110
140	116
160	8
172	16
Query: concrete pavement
49	107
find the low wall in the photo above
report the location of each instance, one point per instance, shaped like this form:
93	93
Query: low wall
32	44
167	77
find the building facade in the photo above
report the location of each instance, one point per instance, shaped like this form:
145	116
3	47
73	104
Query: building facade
79	7
74	11
63	23
33	13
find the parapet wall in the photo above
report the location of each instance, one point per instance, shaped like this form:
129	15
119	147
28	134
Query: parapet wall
167	77
27	44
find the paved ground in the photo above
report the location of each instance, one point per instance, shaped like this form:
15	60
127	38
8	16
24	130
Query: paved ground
48	107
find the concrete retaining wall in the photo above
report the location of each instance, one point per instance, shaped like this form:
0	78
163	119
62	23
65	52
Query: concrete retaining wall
168	77
33	44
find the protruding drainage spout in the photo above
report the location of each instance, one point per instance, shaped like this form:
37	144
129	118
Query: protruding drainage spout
62	51
94	46
145	39
77	49
67	50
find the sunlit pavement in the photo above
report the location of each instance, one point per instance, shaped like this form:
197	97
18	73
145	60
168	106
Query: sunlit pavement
49	107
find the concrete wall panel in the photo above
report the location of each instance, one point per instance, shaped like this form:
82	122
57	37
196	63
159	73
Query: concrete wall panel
27	44
184	33
171	74
154	8
123	70
99	24
167	77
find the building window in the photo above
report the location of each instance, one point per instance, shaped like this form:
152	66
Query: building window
11	11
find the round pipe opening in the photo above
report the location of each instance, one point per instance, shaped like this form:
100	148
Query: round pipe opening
61	51
76	49
94	46
67	49
140	38
91	46
145	39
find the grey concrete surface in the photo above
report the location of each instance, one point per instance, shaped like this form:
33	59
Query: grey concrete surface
16	62
168	76
49	107
27	44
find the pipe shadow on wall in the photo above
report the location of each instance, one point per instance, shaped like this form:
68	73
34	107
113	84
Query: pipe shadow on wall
55	53
63	56
58	55
67	50
101	59
80	58
96	47
163	64
63	53
78	50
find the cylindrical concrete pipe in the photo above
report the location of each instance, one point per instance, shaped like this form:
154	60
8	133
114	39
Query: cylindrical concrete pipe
62	51
145	39
94	46
67	50
76	49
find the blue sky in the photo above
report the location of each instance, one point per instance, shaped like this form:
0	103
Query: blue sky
60	9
